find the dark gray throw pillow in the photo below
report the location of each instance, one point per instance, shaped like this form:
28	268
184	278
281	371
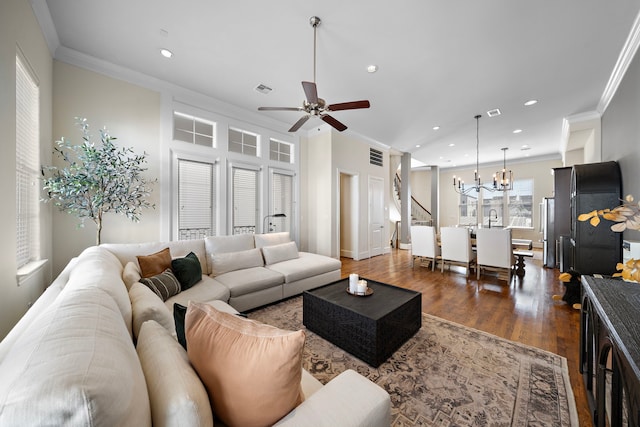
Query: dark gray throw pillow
165	284
179	312
188	270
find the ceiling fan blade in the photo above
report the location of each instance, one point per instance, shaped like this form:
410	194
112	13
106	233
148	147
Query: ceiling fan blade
299	123
333	122
311	92
280	109
353	105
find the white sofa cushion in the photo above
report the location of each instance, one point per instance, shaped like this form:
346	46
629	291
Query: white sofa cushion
231	261
99	268
207	289
270	239
126	252
248	280
75	365
176	394
307	265
147	306
278	253
130	274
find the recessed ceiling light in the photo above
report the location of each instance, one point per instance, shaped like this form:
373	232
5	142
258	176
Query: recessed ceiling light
166	53
517	131
452	145
531	102
493	113
372	68
417	145
436	128
525	148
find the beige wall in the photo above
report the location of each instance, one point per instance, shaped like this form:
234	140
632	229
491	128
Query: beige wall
131	114
19	29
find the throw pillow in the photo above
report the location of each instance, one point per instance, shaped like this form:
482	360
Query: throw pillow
146	305
279	253
188	270
179	313
165	284
151	265
251	371
231	261
176	394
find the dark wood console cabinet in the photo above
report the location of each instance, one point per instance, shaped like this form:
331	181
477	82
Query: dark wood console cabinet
610	350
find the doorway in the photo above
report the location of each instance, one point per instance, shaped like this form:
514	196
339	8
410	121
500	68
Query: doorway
348	228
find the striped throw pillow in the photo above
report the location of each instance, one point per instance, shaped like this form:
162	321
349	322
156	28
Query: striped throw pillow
165	284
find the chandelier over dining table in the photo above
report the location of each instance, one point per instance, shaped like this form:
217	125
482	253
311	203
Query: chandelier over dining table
502	180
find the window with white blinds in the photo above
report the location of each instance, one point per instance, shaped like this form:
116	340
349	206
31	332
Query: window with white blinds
194	130
27	164
245	200
196	199
243	142
281	202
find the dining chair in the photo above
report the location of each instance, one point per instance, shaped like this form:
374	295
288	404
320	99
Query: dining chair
424	244
494	252
455	247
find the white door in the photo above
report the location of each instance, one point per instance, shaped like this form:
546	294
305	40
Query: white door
376	215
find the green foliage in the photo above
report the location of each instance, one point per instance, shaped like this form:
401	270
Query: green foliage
97	178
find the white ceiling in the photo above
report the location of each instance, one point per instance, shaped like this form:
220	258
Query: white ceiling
440	62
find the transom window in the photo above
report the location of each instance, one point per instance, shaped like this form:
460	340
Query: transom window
243	142
280	151
194	130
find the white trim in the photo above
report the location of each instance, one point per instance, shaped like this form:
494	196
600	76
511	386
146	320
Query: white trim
29	270
619	70
43	16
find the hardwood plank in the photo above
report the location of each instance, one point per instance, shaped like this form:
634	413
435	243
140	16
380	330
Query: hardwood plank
521	311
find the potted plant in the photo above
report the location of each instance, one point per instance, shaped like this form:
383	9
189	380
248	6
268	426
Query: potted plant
96	179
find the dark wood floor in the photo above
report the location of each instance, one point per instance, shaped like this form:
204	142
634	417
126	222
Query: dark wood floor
522	311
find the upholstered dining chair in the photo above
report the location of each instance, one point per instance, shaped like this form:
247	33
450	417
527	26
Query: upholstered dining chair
494	251
424	245
455	248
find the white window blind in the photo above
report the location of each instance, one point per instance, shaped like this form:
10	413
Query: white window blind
27	164
281	202
245	200
193	130
243	142
196	199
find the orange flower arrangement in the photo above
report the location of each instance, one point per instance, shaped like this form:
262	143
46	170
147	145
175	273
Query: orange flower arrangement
626	217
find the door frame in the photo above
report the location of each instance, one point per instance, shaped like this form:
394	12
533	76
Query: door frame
355	209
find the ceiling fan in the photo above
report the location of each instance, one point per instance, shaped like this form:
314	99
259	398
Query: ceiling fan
314	106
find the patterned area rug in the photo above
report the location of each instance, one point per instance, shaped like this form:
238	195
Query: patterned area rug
450	375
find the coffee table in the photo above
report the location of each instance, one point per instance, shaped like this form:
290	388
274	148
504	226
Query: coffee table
369	327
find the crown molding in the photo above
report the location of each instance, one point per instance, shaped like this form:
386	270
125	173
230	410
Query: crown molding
43	16
624	61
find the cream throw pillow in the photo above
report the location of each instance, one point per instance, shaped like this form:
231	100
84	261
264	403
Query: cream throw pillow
251	371
279	253
176	394
231	261
147	306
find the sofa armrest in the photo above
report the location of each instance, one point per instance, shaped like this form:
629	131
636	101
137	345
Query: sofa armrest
347	400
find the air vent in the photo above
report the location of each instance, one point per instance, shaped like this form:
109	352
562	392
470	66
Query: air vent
375	157
494	112
264	89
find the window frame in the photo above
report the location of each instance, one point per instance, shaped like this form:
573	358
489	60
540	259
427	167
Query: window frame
231	197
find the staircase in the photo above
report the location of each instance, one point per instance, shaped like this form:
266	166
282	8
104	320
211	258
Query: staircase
419	214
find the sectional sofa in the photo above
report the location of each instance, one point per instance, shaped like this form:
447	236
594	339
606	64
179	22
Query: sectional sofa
99	347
